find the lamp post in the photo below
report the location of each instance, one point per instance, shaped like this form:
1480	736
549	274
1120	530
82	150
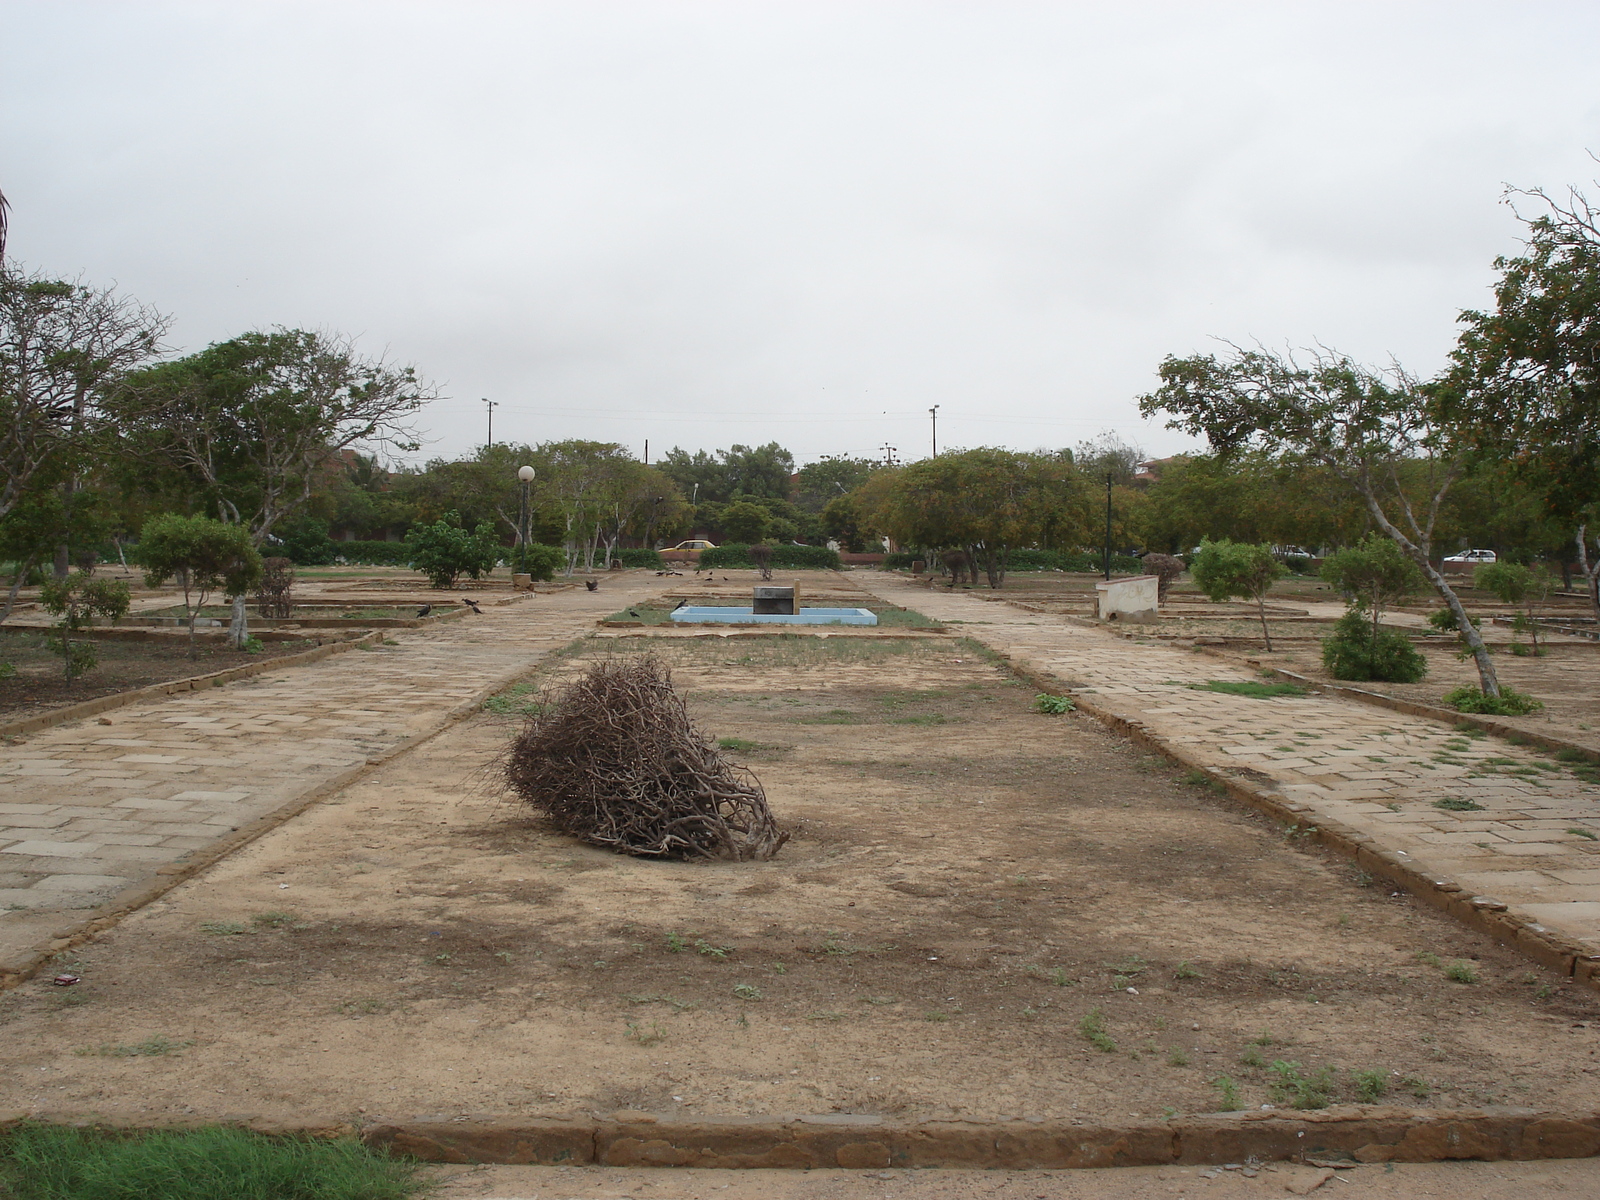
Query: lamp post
525	518
1108	526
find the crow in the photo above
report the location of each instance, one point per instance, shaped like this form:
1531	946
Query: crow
592	584
679	604
424	610
473	605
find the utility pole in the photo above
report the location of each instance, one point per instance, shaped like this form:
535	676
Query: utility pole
888	454
491	404
1108	526
934	413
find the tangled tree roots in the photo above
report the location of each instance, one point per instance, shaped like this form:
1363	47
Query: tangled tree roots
613	759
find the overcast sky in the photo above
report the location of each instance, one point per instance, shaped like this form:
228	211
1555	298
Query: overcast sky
709	223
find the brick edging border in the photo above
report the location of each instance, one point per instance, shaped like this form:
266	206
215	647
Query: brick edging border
30	962
1343	1136
1545	946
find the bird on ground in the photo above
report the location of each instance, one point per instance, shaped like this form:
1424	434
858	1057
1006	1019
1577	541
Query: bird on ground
424	610
680	604
473	605
592	584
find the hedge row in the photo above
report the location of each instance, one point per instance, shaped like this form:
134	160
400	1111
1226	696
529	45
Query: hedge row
639	558
1036	560
734	556
372	554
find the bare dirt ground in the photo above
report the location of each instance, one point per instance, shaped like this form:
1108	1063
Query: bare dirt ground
39	685
1390	1181
976	895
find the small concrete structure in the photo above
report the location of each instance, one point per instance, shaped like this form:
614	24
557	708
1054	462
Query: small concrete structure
772	600
704	614
1136	598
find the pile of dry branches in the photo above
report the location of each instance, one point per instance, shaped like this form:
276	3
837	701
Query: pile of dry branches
613	759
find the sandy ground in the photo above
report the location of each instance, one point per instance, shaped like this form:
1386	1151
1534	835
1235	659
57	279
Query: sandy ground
969	883
1400	1181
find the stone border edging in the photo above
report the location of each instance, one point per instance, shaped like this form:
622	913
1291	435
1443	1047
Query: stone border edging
1545	946
1346	1135
28	964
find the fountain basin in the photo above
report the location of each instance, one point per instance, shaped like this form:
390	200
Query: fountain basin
708	615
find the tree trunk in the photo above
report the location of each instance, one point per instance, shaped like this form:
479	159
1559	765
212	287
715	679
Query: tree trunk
1591	574
23	568
63	561
1261	608
238	624
1489	682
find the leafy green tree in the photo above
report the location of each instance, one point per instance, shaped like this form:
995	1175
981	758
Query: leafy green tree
738	471
444	551
1513	583
842	521
204	555
985	501
255	424
1238	571
744	522
1376	573
76	601
1384	435
1525	381
822	482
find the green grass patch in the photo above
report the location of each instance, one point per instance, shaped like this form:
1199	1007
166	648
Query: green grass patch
1092	1026
1044	702
1507	704
1576	831
44	1162
1457	804
1248	687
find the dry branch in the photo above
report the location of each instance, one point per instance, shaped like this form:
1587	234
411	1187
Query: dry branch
613	759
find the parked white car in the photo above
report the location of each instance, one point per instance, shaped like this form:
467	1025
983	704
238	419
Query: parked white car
1474	556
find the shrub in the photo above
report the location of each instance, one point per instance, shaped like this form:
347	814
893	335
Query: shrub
735	556
275	592
77	600
1238	570
1507	704
542	562
444	551
305	542
1165	568
1355	652
204	555
372	554
901	560
1444	620
642	557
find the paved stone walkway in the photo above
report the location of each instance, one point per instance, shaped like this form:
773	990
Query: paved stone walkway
90	807
1522	829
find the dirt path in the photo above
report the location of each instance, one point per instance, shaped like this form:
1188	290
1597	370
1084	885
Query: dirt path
1497	819
99	805
985	912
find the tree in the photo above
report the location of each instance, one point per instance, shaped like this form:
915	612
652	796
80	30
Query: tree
842	520
63	348
744	522
1376	573
986	501
830	478
1383	434
444	551
1525	381
1238	571
1513	583
76	601
205	556
256	423
738	471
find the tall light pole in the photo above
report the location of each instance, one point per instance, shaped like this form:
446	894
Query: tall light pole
525	521
491	404
1108	526
934	413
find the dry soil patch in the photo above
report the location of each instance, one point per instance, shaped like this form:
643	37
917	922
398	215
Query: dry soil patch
969	881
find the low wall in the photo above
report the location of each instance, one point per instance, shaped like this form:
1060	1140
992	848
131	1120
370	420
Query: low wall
1136	597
